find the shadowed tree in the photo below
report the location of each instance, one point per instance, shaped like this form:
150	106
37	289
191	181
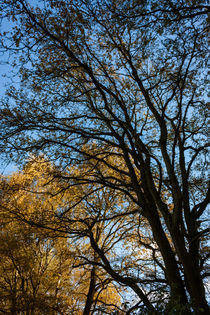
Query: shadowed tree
116	90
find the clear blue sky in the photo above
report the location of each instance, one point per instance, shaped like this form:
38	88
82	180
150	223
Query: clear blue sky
5	72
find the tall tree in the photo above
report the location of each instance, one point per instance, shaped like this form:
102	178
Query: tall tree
117	90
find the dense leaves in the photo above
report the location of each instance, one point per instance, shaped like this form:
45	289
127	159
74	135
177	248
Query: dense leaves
43	270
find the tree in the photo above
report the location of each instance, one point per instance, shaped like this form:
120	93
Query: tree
116	90
54	268
32	270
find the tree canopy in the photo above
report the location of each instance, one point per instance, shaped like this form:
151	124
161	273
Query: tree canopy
43	271
112	109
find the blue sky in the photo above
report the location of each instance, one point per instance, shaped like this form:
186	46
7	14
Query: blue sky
5	71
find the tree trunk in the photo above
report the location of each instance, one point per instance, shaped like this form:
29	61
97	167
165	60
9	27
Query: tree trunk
178	294
192	275
91	292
